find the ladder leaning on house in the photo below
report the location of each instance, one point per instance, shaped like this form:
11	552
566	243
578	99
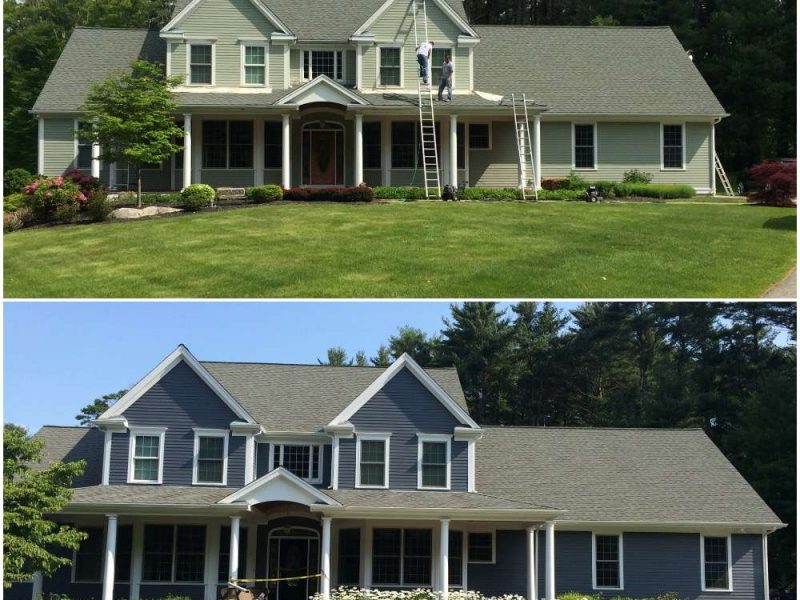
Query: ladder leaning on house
427	123
524	151
723	177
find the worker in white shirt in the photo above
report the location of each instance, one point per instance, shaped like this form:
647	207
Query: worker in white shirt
423	58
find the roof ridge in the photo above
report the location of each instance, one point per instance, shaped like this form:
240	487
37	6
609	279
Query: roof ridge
531	26
68	427
592	428
116	28
281	364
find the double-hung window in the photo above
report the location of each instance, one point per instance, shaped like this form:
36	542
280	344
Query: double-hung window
715	563
210	457
372	458
607	557
480	136
146	459
402	557
433	455
455	558
304	460
672	146
201	64
323	62
273	144
584	146
389	66
227	144
88	559
174	553
480	548
83	155
404	144
254	64
437	60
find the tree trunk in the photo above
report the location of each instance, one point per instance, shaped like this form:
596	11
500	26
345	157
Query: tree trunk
139	186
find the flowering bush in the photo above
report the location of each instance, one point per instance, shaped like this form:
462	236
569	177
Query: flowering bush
345	593
778	182
88	185
55	199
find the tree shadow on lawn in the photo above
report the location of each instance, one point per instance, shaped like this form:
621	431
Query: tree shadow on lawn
787	223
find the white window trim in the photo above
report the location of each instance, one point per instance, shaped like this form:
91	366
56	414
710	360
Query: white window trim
594	561
432	437
336	53
381	437
315	450
572	145
378	84
494	547
727	536
201	42
242	77
469	144
78	145
683	145
146	431
221	433
452	52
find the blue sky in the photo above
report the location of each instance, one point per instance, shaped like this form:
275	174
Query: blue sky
59	356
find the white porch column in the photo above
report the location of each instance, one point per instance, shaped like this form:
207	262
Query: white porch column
386	152
454	151
40	148
111	552
550	561
531	555
335	463
286	160
444	543
187	150
326	557
233	564
537	150
36	586
358	175
95	160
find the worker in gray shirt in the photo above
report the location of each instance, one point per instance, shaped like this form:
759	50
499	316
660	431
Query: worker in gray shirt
446	79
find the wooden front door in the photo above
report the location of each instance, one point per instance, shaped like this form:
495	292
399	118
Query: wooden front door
323	158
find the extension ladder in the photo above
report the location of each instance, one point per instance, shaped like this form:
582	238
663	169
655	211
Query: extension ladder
524	149
427	123
723	177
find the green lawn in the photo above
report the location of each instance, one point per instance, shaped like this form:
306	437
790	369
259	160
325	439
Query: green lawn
418	249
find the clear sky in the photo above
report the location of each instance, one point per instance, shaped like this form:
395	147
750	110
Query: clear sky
59	356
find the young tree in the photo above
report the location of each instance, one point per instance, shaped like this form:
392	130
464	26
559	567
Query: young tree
336	357
382	358
29	537
98	406
131	116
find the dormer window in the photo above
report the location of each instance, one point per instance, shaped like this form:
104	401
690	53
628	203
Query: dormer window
201	64
433	471
323	62
210	457
305	461
372	456
146	456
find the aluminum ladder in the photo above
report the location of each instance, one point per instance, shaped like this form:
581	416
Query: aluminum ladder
524	149
427	123
723	177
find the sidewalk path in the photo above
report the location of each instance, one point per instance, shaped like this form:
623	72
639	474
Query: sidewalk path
786	288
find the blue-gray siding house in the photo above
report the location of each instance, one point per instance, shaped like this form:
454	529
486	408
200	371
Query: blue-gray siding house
207	474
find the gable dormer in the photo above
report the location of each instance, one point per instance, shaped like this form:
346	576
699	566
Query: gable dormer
386	55
404	432
178	426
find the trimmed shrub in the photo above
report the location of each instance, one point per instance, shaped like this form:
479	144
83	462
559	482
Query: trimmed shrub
345	593
15	180
778	183
54	199
14	202
663	191
99	208
197	196
565	195
605	188
554	184
264	193
362	193
637	176
491	194
383	192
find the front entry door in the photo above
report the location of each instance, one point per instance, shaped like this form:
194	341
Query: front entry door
323	158
293	553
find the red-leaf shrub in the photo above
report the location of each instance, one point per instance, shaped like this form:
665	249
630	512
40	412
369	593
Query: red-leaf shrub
555	184
777	182
362	193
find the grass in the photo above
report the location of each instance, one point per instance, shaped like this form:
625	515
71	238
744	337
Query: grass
418	249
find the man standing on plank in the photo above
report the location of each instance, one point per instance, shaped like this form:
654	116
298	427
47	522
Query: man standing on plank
423	56
446	79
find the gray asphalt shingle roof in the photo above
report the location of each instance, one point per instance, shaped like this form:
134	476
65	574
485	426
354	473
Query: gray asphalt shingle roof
416	499
631	475
593	70
67	444
306	397
150	495
94	54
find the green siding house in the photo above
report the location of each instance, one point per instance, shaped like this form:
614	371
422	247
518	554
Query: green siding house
299	94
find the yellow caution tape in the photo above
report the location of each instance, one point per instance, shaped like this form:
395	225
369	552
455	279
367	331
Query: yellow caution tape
275	579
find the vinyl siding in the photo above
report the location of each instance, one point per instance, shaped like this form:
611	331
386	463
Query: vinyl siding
275	67
368	67
59	146
180	401
227	20
509	573
295	66
405	408
496	167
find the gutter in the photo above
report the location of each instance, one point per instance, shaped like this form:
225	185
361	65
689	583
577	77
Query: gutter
392	513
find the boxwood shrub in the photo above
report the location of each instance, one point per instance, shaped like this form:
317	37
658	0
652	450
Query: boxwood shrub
362	193
395	192
264	193
197	196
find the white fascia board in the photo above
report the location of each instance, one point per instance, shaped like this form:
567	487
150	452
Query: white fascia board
466	434
445	8
271	17
165	510
181	353
667	527
293	437
363	39
343	430
278	474
477	514
317	81
434	388
279	37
